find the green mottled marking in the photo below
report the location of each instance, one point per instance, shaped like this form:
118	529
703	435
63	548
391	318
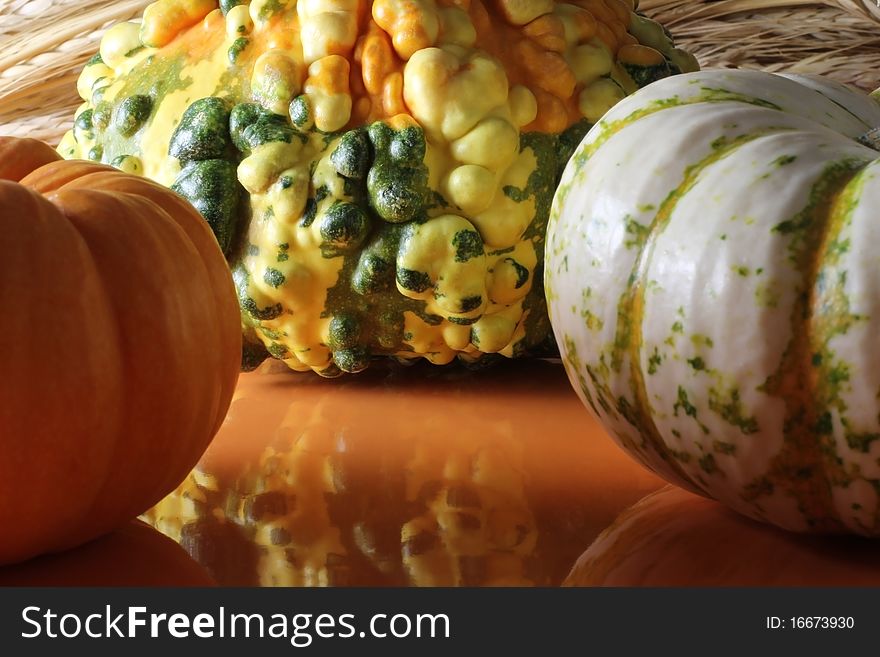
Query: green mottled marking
213	189
684	404
644	75
414	281
728	406
273	278
697	363
397	181
132	113
278	350
707	464
820	300
637	234
237	48
468	245
784	160
311	209
468	304
300	111
271	7
592	322
515	194
522	273
344	227
203	131
352	155
728	449
247	303
102	115
655	360
84	121
628	336
344	332
574	365
540	187
707	95
227	5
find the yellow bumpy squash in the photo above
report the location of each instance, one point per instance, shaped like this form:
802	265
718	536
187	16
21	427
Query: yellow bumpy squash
379	174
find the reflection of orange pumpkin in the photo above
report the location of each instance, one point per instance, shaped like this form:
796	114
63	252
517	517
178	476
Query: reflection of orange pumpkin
121	347
402	476
675	538
134	555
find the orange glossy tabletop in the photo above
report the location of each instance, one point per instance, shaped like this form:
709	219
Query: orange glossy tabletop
419	476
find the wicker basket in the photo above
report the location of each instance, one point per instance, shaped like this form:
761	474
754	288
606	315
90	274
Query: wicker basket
44	43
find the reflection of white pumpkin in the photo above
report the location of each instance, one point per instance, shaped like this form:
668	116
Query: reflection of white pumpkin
713	278
675	538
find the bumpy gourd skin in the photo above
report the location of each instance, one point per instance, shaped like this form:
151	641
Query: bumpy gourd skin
378	174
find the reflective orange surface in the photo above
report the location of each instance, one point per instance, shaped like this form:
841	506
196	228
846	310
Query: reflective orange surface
133	555
676	538
421	476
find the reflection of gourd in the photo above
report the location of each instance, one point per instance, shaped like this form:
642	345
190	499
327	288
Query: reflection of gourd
675	538
331	497
455	514
476	527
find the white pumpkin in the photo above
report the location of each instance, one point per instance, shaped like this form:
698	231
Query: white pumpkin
713	279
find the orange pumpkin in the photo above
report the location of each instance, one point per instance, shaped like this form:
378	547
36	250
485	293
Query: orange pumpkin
121	347
676	538
133	555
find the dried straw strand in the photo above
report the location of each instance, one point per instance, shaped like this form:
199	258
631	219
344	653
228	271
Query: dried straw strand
43	47
838	38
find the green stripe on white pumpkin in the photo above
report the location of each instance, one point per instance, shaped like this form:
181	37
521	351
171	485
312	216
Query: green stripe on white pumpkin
712	284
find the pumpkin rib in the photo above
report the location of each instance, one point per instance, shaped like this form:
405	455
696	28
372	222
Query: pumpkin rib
106	480
19	156
199	236
189	344
55	175
71	440
801	452
632	303
829	315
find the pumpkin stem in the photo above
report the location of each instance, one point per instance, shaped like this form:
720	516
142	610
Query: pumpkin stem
871	139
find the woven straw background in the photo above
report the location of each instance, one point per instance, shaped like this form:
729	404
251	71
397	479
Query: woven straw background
44	43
